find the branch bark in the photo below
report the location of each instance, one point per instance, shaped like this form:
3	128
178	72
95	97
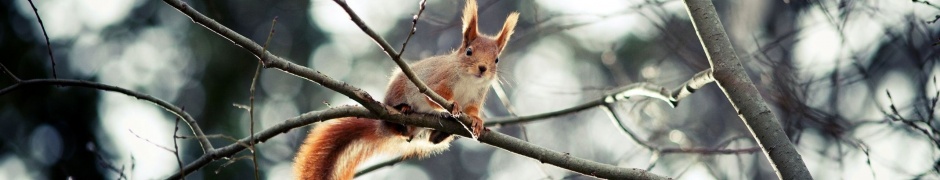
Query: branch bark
206	146
497	139
747	101
271	61
405	69
694	83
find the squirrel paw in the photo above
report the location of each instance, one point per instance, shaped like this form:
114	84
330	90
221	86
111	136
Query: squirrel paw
455	111
477	128
403	108
448	115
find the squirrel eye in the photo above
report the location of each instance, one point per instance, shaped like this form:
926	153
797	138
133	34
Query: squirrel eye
497	60
469	51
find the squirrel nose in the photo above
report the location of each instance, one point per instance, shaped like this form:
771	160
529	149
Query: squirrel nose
482	69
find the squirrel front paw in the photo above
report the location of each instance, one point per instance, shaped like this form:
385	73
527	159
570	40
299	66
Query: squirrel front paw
476	126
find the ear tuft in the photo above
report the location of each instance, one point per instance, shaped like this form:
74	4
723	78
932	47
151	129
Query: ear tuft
470	22
508	27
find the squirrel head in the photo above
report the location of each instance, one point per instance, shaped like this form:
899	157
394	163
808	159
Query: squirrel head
479	53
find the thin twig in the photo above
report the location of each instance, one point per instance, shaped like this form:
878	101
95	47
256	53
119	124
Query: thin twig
623	129
215	136
104	162
151	142
503	98
176	146
926	3
133	163
422	87
405	69
230	162
374	167
414	27
48	45
710	151
206	146
10	73
251	103
697	81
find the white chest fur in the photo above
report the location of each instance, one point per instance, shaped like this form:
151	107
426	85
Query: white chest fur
466	91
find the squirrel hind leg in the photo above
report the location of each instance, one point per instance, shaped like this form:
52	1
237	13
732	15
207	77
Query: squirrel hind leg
437	137
403	108
401	129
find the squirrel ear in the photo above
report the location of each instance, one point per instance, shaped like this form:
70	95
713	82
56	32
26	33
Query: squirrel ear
470	22
503	37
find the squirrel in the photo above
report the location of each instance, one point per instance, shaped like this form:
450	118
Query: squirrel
334	148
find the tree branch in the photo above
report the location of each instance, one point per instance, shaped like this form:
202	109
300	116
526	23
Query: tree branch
206	146
744	97
10	73
48	45
697	81
497	139
176	147
271	61
374	109
405	69
414	27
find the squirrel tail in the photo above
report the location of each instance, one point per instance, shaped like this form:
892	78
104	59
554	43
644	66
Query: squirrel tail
332	150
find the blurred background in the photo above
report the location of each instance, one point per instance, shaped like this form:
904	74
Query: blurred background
823	66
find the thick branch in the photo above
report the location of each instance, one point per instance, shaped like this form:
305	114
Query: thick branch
405	69
747	101
497	139
206	146
270	60
379	111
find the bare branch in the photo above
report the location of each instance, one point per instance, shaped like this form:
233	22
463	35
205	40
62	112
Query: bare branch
230	162
503	98
272	61
697	81
616	121
10	73
215	136
422	87
744	97
104	163
251	104
710	151
374	167
497	139
176	148
376	110
151	142
636	89
206	146
48	45
414	25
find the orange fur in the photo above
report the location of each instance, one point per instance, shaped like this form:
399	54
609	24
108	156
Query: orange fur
327	143
333	149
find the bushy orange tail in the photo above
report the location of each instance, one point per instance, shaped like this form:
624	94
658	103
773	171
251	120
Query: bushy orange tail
333	149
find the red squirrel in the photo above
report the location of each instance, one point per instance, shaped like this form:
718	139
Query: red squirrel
334	148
